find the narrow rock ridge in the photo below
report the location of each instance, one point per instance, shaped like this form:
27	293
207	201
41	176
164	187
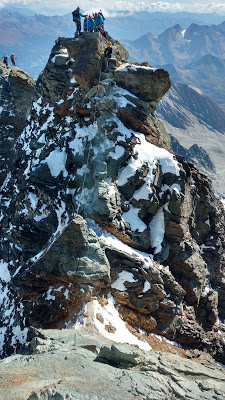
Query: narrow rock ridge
95	204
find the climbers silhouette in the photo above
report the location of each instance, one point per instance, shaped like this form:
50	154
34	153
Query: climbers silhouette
85	24
94	23
5	60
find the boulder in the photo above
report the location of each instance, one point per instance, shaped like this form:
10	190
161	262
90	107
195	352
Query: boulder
149	84
61	60
22	87
17	92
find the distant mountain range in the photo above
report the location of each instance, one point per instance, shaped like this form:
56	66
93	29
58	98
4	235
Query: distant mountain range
178	46
222	26
195	154
195	55
31	36
133	24
193	118
182	100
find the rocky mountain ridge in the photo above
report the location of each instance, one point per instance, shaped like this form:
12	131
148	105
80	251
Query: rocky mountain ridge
177	45
99	220
206	74
195	155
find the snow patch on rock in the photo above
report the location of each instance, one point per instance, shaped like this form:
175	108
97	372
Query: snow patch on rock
124	276
111	318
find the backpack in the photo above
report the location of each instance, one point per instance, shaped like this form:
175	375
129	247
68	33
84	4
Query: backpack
100	12
75	15
108	52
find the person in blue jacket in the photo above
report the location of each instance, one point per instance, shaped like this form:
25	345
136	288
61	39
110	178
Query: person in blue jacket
90	24
100	22
100	12
85	24
77	19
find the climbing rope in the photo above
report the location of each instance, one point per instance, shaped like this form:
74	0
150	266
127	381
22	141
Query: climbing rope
90	145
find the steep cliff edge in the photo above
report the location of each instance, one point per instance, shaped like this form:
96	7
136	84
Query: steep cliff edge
96	206
17	91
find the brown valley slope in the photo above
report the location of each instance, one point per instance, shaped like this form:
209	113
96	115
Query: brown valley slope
192	117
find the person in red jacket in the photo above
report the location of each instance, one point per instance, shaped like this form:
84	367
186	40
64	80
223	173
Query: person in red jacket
13	60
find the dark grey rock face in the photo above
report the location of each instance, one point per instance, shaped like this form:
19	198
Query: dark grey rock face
75	262
83	56
97	205
16	97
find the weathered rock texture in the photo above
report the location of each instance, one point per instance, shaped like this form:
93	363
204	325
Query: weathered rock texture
61	365
97	205
17	90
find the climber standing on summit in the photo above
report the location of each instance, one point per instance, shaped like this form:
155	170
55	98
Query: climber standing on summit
13	60
85	24
77	19
90	24
5	60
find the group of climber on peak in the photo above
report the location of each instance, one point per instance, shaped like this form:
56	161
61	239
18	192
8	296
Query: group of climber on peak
92	23
12	58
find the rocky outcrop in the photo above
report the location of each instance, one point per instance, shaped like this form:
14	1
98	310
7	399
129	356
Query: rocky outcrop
195	154
17	90
101	209
83	57
73	264
84	366
149	84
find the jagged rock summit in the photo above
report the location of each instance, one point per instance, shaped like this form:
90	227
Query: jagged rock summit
100	223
